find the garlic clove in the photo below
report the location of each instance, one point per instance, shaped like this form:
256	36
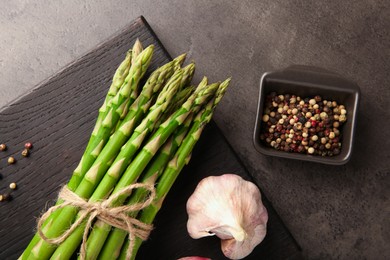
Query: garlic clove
231	208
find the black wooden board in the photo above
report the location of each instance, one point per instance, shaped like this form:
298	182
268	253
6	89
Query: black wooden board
58	117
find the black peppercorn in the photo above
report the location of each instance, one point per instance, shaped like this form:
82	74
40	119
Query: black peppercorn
302	120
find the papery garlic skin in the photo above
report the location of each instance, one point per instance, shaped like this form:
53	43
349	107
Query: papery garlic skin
231	208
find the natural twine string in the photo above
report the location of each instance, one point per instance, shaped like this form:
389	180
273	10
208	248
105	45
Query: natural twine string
114	216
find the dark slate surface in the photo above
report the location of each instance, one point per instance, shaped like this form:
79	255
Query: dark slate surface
58	116
333	212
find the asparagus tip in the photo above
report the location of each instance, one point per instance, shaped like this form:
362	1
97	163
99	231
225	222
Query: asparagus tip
179	60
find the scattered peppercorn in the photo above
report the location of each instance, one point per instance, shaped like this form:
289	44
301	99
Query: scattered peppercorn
3	147
303	125
4	197
11	160
28	145
25	152
12	186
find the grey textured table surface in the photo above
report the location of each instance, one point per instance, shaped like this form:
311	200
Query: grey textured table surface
333	212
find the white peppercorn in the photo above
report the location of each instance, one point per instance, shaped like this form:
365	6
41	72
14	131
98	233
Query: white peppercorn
323	115
342	118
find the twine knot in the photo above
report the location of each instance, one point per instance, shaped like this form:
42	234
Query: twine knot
102	211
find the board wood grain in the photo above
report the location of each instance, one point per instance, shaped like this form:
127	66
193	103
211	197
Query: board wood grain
58	117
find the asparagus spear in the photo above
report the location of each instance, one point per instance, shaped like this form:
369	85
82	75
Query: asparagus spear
110	151
93	179
176	165
117	81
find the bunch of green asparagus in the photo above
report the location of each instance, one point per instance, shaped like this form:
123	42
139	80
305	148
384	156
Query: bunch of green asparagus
143	134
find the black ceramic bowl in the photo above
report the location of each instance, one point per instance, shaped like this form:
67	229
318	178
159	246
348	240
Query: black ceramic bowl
305	81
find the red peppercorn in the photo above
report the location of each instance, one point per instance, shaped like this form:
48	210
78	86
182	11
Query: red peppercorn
327	132
28	145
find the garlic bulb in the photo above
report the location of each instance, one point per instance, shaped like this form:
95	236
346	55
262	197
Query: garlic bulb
231	208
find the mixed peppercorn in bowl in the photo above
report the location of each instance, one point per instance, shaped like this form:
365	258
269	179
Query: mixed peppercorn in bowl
306	113
302	125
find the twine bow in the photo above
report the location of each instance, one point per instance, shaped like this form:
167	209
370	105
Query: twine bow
114	216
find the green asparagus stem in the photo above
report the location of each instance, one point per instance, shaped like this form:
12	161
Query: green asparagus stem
176	164
99	188
113	243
